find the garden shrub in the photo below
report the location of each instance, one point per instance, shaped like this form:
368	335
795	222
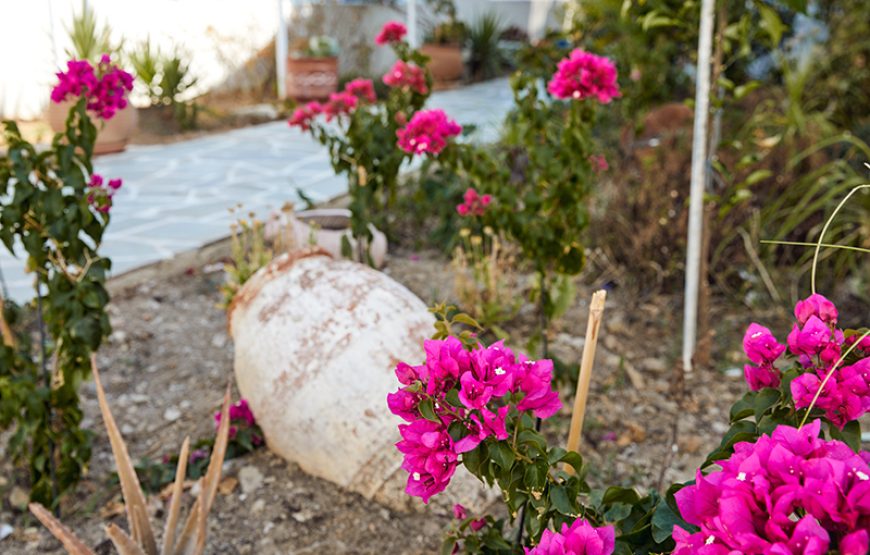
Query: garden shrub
360	131
544	171
57	209
785	150
781	487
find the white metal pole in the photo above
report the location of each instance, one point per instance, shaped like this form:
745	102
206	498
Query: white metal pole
412	24
696	199
281	52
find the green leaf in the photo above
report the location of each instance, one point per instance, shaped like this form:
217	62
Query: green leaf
463	318
850	434
663	521
427	410
744	407
502	454
771	24
616	494
764	401
560	500
617	512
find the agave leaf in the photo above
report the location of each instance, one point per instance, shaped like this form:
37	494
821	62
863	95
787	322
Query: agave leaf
192	539
70	542
134	500
123	543
175	502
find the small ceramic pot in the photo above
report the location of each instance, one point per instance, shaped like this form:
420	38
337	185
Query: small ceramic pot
112	135
326	228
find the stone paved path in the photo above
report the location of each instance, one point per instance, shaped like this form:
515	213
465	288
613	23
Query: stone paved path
177	197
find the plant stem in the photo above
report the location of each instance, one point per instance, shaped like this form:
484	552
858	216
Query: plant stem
543	323
46	377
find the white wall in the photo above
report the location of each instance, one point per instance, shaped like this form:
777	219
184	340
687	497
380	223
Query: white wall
532	16
215	33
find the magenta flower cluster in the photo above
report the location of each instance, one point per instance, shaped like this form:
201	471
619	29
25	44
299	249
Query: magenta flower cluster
789	493
583	75
105	88
473	203
580	538
363	89
341	103
391	32
817	344
100	194
489	383
240	415
405	75
427	131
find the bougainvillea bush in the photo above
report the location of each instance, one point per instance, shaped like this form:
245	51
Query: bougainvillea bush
54	206
535	187
789	477
360	131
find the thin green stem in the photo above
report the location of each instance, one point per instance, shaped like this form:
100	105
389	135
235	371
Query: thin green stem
828	377
826	245
825	229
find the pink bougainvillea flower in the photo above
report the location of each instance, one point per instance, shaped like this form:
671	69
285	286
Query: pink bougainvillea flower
473	203
583	75
240	415
760	345
339	104
304	115
404	75
459	512
403	404
534	379
363	89
818	306
99	194
759	377
392	31
477	524
762	348
105	87
471	392
427	132
810	339
445	361
787	493
493	425
581	538
599	163
856	543
78	79
429	457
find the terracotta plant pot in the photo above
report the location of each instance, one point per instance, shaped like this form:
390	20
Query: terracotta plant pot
326	228
445	61
112	135
311	78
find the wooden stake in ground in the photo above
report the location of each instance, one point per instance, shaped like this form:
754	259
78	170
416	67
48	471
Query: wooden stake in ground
596	311
5	331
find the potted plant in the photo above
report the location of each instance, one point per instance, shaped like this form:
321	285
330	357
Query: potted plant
312	69
443	43
91	43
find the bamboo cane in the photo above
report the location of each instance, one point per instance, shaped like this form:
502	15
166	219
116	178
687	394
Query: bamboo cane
5	331
596	311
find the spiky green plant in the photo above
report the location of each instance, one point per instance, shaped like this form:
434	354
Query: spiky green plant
90	39
140	540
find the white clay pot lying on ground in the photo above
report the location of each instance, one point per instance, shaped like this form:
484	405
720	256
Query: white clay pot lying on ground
326	228
317	340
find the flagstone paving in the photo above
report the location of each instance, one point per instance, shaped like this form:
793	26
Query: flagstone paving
176	197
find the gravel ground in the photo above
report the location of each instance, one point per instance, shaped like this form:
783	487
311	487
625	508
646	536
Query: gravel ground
169	358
